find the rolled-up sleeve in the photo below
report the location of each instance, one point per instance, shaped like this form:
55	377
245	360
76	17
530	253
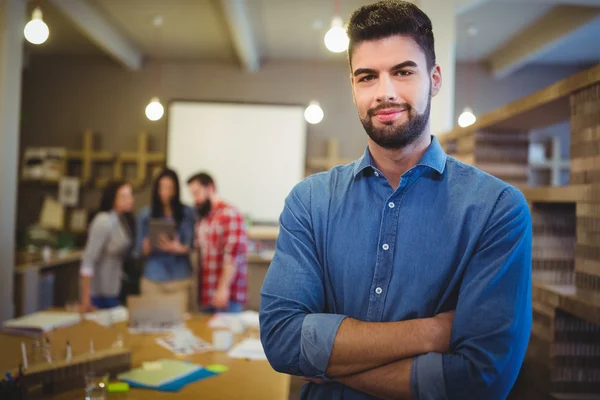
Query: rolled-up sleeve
492	323
97	237
296	335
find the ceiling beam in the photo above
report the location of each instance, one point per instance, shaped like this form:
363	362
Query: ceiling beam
242	33
539	38
591	3
464	6
101	32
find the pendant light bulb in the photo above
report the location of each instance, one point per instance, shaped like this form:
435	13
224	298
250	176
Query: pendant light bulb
154	110
313	113
36	31
467	118
336	39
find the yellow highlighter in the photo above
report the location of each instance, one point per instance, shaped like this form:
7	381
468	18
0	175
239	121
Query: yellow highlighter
118	387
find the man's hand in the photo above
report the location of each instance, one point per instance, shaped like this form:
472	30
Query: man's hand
442	328
220	300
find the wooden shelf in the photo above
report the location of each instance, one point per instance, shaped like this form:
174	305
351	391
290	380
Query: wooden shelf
256	259
562	194
258	232
55	261
545	107
565	298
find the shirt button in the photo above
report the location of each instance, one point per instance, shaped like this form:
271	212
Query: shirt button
385	246
378	290
376	173
391	204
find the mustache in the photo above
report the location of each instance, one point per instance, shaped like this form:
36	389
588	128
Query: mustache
372	111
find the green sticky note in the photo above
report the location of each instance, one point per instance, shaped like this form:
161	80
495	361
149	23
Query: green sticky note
118	387
217	368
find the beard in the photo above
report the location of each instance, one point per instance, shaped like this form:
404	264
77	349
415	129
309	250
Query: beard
203	209
400	136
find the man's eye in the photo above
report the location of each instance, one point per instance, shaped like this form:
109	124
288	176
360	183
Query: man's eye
366	78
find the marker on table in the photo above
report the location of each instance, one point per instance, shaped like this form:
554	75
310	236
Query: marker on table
68	351
48	351
91	346
24	352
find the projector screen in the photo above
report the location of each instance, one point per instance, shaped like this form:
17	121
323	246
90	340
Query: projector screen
254	152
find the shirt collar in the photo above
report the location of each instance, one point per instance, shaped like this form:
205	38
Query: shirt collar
434	158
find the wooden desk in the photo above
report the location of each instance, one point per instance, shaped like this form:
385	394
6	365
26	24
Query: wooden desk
244	380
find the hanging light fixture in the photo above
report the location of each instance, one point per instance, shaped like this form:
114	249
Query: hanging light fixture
36	31
313	113
336	39
154	110
467	117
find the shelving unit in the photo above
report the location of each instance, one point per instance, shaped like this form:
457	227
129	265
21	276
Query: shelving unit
565	340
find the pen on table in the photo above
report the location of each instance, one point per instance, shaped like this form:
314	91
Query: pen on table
68	351
24	353
48	351
91	346
19	377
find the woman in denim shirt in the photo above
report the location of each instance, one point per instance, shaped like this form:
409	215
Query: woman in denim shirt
167	268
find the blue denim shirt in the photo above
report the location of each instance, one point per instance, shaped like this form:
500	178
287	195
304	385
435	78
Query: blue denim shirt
161	266
449	237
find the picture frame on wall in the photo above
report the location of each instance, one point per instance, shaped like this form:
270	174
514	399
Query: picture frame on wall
68	191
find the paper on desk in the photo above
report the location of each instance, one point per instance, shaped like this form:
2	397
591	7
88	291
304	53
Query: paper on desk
44	321
250	349
109	316
245	319
183	342
154	329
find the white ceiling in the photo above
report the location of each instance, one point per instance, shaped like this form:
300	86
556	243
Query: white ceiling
293	30
583	46
191	29
496	23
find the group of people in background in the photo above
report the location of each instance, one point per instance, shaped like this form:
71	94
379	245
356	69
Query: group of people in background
119	251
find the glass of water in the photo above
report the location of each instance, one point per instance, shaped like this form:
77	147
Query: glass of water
95	386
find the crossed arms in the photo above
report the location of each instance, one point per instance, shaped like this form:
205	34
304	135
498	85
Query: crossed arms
474	353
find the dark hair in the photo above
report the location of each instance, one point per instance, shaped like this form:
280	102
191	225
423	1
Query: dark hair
176	205
109	195
388	18
107	203
202	178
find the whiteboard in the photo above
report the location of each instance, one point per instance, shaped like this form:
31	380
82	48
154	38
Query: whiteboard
254	152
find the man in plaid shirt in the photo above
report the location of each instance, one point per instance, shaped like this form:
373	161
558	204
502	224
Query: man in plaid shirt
223	246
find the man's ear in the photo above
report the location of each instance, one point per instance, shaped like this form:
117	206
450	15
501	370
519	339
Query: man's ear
352	78
436	80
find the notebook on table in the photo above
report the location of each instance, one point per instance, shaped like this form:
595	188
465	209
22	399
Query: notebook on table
41	322
165	375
